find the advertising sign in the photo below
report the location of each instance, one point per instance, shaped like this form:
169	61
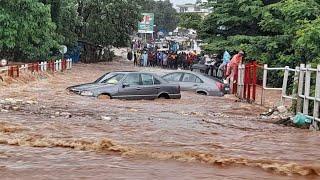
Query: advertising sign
147	23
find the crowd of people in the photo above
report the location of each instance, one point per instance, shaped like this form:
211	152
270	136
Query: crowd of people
223	64
164	59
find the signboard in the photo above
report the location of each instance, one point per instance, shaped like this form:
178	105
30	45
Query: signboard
63	49
3	62
147	24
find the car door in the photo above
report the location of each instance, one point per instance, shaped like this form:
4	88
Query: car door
131	87
149	89
190	82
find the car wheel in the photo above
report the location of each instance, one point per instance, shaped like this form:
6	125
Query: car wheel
164	96
104	97
202	93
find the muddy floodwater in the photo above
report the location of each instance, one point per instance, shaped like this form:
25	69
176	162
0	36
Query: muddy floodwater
52	134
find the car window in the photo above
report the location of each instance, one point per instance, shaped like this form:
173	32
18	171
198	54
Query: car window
113	79
132	80
173	77
147	79
198	80
189	78
156	81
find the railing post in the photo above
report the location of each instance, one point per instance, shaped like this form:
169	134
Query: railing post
295	88
264	83
285	84
295	82
53	66
243	66
231	82
235	79
245	86
56	63
67	64
45	66
307	90
10	72
70	64
18	73
300	87
240	84
249	83
36	67
317	97
60	65
41	66
254	80
64	65
26	67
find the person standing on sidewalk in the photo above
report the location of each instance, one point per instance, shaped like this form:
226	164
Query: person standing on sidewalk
234	63
145	59
165	60
129	55
226	60
135	60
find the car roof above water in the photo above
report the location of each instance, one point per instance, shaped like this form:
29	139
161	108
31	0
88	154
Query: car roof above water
200	75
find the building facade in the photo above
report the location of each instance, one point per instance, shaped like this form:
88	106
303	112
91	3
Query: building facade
193	8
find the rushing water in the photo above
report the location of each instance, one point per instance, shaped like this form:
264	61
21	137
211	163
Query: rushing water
196	137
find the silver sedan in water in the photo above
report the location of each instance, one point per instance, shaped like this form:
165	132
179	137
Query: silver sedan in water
129	85
199	83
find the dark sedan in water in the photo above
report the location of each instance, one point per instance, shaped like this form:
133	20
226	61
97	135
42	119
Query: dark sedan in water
197	82
129	85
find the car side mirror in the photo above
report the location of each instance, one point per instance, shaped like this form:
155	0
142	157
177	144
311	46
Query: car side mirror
124	85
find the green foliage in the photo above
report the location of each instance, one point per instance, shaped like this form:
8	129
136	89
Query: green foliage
278	33
166	17
26	29
190	21
33	29
64	14
108	22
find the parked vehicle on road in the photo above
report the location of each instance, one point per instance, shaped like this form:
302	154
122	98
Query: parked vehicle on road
199	83
209	67
129	85
200	67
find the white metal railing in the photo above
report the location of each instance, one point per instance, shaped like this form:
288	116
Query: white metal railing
43	66
241	74
301	88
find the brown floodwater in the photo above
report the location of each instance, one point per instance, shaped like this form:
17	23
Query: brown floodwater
197	137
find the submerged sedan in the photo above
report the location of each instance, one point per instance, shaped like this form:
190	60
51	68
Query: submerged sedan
129	85
199	83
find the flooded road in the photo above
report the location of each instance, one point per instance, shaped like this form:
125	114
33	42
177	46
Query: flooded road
58	135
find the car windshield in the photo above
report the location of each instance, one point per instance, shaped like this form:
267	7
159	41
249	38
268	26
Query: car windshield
113	79
105	76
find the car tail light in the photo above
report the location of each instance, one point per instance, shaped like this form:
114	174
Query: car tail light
220	85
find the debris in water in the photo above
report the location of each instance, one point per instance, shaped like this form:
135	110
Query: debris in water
106	118
282	109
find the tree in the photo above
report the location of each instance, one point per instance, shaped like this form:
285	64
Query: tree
106	23
166	17
190	21
32	29
64	14
274	32
27	30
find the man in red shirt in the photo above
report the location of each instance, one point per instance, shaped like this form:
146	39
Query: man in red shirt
234	63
